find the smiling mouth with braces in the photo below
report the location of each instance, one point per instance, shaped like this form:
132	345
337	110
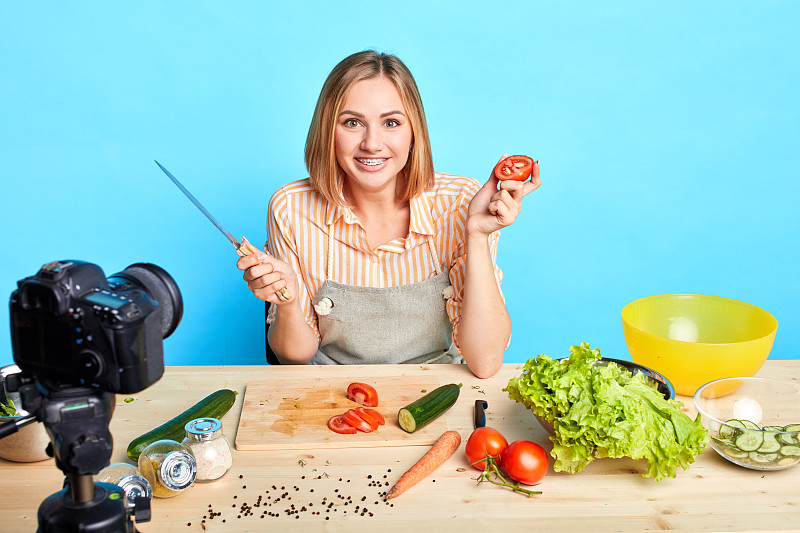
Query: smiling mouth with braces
371	162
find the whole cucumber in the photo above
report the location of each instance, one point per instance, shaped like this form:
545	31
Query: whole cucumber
212	406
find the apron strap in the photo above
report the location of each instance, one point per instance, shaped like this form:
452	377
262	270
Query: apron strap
329	265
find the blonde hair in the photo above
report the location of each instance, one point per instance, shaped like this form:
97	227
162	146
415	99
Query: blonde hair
320	154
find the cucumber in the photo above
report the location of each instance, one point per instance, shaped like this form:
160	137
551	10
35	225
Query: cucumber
749	440
423	411
730	429
741	440
770	444
749	424
759	457
790	451
796	436
212	406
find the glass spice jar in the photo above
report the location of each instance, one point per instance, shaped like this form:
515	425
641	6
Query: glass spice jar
210	448
169	467
129	479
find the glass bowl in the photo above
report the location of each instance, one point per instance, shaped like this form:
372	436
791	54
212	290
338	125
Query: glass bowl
752	422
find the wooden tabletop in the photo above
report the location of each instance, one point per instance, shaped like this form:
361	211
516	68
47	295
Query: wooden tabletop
341	489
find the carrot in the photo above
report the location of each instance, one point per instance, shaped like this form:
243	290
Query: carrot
441	450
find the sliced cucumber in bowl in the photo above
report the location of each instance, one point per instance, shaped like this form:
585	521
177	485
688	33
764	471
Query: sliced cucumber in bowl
764	448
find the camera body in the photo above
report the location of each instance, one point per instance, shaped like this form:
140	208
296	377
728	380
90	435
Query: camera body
72	324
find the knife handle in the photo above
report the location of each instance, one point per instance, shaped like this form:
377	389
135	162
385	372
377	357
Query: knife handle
480	413
248	249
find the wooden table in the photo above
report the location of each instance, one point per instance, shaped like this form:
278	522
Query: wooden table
339	489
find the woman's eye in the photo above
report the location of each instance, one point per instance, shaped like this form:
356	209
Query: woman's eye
392	123
351	123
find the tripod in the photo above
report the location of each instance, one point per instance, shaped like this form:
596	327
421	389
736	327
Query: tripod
76	419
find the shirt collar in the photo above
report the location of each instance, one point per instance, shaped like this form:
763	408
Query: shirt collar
421	221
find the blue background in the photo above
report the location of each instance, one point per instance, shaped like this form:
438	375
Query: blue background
668	137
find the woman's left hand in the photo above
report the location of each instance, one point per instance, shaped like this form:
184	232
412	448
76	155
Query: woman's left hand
494	208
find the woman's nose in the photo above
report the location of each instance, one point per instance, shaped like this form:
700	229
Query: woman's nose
373	140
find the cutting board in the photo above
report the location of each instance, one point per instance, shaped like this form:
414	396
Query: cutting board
288	414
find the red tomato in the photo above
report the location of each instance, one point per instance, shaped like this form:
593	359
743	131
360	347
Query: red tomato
352	418
514	167
371	415
482	441
338	425
525	461
362	393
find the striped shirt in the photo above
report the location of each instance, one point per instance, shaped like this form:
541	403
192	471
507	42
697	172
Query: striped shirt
300	219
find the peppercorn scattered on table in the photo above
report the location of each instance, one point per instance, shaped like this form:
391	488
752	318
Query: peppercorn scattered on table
331	488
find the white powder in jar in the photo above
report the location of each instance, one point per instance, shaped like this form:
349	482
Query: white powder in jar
213	458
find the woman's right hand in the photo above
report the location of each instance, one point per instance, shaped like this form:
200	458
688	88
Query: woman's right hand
265	276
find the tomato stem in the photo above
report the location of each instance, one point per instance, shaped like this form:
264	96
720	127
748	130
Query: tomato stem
491	468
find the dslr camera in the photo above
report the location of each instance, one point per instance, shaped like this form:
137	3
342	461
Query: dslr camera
72	324
78	338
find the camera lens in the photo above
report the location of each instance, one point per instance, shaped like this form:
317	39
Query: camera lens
160	285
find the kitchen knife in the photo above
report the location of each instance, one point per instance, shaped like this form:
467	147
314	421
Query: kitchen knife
242	248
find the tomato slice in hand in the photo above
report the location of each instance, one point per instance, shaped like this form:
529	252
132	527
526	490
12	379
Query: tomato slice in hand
338	425
362	393
514	167
352	418
375	415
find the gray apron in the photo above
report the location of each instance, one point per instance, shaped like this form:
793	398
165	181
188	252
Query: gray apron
371	325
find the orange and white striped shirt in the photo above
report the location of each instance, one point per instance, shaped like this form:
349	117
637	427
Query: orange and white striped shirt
300	219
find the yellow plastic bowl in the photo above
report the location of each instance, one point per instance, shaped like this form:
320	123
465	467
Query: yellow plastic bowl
693	338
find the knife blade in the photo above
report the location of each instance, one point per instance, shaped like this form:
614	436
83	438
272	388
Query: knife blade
242	248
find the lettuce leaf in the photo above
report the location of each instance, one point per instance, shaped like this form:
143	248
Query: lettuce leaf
605	411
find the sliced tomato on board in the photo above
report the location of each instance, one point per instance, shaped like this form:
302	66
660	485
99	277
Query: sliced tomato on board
373	413
362	393
514	167
337	424
353	418
372	416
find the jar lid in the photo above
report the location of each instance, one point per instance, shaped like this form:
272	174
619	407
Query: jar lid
203	428
178	470
135	486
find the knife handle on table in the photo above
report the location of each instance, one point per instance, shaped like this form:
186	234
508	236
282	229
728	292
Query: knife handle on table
248	249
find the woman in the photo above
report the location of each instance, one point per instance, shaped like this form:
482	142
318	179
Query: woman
384	260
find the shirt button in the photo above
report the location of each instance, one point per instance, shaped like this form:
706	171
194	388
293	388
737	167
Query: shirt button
374	259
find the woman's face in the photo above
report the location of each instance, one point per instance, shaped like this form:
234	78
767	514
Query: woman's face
373	135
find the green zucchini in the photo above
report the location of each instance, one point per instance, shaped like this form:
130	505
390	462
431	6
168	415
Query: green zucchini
423	411
212	406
